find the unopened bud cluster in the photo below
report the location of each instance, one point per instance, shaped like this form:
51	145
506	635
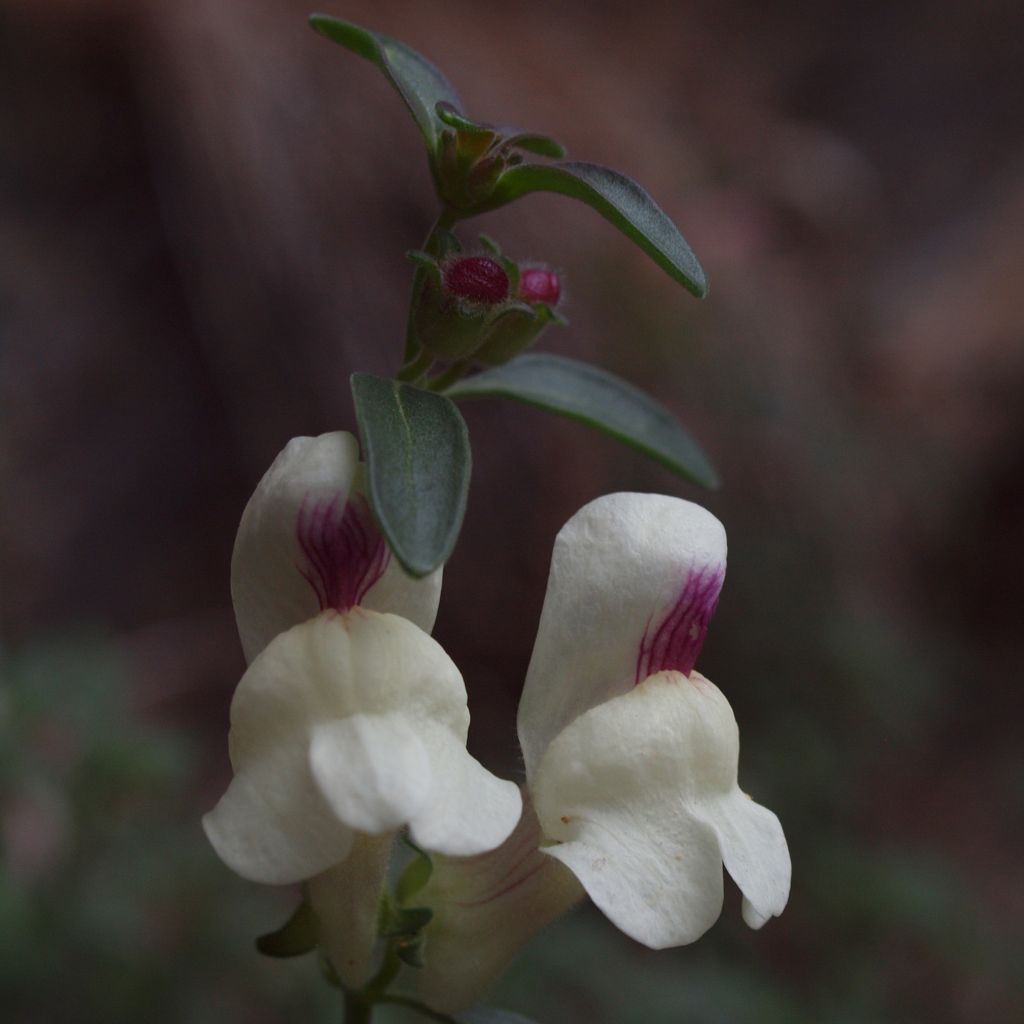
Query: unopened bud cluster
483	307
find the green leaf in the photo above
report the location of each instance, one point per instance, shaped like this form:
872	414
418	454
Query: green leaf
417	81
297	936
599	399
416	448
619	200
450	115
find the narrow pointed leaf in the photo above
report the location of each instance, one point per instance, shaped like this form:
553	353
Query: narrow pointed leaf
298	935
585	393
618	199
416	448
417	81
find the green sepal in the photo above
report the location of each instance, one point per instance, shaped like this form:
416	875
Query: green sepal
297	936
618	199
410	952
514	328
490	246
599	399
415	876
421	85
454	118
418	465
404	921
427	263
534	142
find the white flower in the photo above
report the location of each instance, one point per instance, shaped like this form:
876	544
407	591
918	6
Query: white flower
631	758
631	755
350	721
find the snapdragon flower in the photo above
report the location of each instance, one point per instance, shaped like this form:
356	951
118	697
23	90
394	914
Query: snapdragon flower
631	757
350	721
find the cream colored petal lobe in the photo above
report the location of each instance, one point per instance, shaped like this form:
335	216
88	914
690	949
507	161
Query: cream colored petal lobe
658	881
622	790
469	810
372	770
346	899
338	665
485	910
272	825
755	853
634	580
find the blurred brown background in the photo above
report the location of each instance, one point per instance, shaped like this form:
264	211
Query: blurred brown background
203	214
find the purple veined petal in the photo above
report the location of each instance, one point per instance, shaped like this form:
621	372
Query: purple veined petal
307	542
634	581
344	554
674	641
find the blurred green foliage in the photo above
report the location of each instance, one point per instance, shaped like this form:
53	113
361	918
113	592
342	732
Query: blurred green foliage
112	907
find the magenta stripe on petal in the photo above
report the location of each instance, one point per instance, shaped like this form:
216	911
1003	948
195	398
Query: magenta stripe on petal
675	641
345	552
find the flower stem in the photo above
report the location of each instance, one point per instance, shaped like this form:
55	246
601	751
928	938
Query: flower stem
416	368
415	1004
444	222
358	1010
453	374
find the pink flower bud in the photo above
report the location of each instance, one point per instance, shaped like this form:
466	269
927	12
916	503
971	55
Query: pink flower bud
538	284
476	279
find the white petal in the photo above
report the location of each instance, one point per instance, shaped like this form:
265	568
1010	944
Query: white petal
307	542
372	770
469	810
272	824
639	793
634	579
485	909
755	853
659	880
336	666
346	900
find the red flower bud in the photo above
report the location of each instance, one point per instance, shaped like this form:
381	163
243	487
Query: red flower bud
476	279
536	284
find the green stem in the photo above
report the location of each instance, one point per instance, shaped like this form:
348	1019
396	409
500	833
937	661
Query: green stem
421	1008
454	373
377	986
445	222
358	1010
416	367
